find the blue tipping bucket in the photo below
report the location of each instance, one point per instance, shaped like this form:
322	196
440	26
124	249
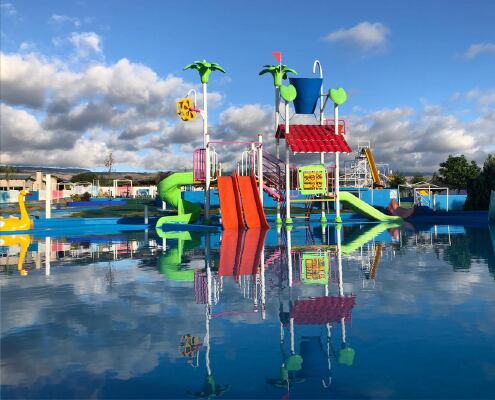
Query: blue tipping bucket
308	91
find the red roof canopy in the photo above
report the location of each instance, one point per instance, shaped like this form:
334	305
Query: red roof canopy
322	310
314	139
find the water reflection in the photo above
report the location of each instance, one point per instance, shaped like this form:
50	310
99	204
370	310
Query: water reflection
308	312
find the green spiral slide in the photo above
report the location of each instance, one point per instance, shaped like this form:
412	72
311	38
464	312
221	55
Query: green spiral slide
169	191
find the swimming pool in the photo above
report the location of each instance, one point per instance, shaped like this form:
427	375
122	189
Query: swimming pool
393	312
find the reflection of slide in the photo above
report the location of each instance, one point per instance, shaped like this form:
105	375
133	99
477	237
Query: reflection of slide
170	262
240	202
169	191
240	252
373	169
366	236
364	208
376	260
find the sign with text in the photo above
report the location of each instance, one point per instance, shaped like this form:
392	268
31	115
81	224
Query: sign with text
313	179
315	268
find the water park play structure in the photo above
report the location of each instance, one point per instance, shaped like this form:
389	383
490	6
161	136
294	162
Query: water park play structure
318	188
240	195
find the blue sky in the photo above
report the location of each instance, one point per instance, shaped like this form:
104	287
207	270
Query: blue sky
412	70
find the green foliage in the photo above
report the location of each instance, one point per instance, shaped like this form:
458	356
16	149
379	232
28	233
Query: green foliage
396	179
456	172
479	189
205	69
417	179
84	177
84	197
8	169
278	73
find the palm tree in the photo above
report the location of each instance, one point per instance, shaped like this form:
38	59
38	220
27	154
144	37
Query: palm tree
278	72
205	69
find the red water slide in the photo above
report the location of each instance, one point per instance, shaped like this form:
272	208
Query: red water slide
230	203
251	203
240	202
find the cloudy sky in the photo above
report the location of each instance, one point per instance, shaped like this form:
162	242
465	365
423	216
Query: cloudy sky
80	79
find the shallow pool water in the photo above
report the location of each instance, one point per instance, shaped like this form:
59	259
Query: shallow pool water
392	312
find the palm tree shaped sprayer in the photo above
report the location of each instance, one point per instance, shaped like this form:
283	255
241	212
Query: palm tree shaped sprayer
278	72
205	69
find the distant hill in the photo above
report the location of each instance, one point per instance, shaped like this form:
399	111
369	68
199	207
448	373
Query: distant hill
50	170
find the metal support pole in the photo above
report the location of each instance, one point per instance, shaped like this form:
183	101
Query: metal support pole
48	196
48	255
206	139
146	214
263	285
337	167
317	63
260	166
289	255
288	219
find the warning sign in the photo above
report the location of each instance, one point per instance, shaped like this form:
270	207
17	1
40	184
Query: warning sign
315	268
313	179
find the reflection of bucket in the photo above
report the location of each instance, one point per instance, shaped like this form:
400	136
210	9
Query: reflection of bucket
308	91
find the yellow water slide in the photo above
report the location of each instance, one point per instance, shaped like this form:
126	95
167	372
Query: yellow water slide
374	171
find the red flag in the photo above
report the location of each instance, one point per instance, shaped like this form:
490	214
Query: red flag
278	56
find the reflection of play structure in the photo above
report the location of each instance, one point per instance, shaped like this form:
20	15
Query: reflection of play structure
314	360
23	223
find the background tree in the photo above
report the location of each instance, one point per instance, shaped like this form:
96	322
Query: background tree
417	179
456	172
8	171
109	161
396	179
479	189
84	177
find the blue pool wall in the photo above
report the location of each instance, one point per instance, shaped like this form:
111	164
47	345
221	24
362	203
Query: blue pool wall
378	197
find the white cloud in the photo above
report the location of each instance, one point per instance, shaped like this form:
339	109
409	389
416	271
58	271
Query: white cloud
8	9
86	43
478	49
61	19
80	112
26	47
365	35
417	141
483	98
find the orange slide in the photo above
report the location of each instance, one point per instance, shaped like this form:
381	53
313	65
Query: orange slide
239	202
230	203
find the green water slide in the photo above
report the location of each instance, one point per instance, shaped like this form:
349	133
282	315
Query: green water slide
364	208
169	191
